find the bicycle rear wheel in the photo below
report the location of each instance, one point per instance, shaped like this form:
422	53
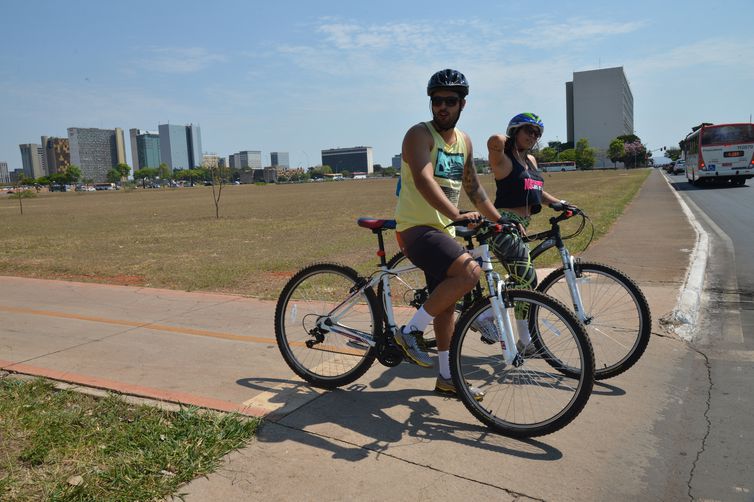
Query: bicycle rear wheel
618	320
321	357
531	398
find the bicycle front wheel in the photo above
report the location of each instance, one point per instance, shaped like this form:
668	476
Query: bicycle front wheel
321	293
617	316
528	397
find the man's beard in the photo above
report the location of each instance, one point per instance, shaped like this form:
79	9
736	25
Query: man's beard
445	124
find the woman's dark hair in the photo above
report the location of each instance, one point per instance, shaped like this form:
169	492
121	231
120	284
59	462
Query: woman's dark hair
510	144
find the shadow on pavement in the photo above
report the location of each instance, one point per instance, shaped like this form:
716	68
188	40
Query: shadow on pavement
603	389
685	186
359	414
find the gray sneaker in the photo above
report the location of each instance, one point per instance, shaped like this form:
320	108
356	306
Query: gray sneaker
487	329
446	388
413	347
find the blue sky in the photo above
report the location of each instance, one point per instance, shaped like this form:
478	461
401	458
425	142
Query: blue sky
305	76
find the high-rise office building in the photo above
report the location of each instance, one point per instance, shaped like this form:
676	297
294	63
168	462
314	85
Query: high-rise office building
96	151
145	149
250	159
33	160
180	146
599	107
396	162
279	159
356	159
57	153
4	173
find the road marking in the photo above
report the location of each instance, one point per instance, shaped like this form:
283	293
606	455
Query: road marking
136	324
136	390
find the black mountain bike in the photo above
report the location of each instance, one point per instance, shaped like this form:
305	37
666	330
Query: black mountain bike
610	304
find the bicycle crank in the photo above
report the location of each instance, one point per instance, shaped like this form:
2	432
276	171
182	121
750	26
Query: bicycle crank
389	354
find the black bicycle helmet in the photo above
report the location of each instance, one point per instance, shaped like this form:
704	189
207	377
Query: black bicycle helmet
448	79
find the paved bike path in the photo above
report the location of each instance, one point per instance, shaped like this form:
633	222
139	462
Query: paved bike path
387	434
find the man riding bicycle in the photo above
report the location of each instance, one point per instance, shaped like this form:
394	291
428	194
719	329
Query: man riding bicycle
436	162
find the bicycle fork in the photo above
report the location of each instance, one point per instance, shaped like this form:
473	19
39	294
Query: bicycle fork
499	308
569	270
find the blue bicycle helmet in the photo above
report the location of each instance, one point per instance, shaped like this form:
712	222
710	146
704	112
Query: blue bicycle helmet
452	80
523	119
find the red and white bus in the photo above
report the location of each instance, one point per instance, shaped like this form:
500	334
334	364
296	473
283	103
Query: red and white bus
723	152
557	166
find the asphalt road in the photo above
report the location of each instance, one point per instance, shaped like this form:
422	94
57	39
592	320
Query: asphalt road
725	334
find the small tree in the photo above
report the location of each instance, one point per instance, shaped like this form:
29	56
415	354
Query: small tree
546	154
218	175
568	155
22	193
145	174
673	153
616	151
164	171
636	154
113	176
72	173
124	170
584	154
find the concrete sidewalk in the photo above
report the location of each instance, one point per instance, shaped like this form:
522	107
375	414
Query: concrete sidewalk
387	435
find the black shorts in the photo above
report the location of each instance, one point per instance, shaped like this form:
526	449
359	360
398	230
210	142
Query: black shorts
432	250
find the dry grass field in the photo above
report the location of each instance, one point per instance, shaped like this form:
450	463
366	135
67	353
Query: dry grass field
170	238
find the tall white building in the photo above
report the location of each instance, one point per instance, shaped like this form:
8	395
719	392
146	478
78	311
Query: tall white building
599	107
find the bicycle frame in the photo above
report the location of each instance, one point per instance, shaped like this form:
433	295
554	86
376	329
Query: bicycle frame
331	321
553	238
495	287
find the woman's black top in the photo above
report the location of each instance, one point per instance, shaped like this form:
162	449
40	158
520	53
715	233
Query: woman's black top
522	187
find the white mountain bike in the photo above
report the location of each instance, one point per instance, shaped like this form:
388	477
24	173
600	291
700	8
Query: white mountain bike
330	326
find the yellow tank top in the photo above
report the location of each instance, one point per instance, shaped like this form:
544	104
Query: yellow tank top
448	160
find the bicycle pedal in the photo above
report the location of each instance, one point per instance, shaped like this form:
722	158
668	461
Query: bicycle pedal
487	340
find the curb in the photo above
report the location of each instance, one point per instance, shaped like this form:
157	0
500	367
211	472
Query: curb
682	320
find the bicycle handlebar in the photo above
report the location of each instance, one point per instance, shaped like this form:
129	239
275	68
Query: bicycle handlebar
484	225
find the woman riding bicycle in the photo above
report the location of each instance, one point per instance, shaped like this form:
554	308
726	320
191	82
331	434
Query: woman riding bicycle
519	195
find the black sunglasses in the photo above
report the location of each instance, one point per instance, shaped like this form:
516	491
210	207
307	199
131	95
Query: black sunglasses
532	130
448	100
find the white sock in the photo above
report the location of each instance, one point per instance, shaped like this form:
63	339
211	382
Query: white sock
443	357
522	326
420	321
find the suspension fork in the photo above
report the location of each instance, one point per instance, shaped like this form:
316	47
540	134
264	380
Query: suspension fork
498	301
570	271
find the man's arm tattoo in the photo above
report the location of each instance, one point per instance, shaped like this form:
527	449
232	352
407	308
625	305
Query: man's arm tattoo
471	185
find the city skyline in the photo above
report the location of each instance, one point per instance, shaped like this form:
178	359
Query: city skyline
337	74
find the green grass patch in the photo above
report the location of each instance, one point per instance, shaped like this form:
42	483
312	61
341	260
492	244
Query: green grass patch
170	237
67	446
